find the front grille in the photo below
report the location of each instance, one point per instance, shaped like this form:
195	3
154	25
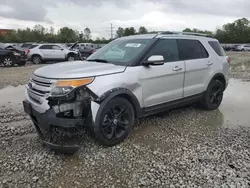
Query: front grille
39	86
41	81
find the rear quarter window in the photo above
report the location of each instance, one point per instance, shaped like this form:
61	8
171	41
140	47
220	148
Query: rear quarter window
217	48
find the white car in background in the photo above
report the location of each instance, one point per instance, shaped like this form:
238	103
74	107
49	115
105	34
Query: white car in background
244	47
39	53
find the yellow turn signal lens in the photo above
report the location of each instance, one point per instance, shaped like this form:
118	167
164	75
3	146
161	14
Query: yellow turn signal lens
74	83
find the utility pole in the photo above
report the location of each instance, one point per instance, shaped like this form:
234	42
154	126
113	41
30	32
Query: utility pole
111	30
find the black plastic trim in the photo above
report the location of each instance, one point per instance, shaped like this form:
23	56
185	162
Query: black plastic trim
109	95
48	118
221	76
172	104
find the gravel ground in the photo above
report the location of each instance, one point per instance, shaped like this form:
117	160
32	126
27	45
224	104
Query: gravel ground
186	147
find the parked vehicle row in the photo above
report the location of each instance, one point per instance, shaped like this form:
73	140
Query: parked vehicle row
237	47
43	52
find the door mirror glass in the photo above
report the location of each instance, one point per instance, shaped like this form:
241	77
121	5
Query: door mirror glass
155	60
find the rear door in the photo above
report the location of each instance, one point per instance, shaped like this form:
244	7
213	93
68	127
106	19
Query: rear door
163	83
46	51
197	65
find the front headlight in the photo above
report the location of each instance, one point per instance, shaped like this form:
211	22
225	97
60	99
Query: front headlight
64	87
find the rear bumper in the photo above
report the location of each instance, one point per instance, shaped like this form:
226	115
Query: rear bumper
20	58
57	133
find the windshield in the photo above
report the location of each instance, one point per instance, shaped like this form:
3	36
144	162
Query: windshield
121	51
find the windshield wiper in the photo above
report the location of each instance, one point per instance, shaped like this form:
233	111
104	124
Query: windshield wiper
98	60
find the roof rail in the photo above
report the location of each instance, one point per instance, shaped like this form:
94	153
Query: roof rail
184	33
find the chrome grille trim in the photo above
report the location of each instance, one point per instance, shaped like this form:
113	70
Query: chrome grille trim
39	86
41	79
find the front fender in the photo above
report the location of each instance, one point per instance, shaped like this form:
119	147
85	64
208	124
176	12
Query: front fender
109	95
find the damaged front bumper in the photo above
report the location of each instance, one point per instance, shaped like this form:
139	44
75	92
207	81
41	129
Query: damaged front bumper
60	123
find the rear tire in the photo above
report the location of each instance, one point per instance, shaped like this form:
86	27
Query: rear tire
114	122
8	61
36	59
213	95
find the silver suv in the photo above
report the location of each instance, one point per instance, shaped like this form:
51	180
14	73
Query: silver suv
38	53
129	78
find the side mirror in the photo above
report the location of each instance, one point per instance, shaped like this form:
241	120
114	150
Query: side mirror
154	60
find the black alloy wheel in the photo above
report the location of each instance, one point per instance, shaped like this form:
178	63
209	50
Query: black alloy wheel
115	122
216	94
213	95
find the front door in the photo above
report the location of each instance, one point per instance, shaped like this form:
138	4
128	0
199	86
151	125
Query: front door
58	52
163	83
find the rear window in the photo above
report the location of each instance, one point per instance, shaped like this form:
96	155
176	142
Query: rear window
191	49
33	46
217	48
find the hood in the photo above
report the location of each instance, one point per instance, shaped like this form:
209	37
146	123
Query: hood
15	48
77	69
73	46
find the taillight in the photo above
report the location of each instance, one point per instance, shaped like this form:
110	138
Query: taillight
27	51
92	51
228	59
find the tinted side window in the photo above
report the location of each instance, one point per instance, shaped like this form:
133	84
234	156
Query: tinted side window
46	47
191	49
33	46
217	48
167	48
55	47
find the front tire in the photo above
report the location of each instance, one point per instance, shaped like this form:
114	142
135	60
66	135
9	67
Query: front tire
114	122
213	95
71	57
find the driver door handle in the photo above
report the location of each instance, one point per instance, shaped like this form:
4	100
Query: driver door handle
177	68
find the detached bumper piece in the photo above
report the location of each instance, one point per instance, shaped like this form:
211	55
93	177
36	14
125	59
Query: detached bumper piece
60	134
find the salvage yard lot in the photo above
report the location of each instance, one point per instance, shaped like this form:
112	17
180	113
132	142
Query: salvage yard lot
180	148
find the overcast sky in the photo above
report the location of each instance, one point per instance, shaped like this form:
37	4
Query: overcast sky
98	14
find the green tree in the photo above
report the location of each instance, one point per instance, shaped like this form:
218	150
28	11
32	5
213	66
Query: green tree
142	30
194	30
237	32
67	35
120	32
129	31
87	33
187	30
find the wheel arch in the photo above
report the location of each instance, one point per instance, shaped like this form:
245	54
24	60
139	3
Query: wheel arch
124	93
220	77
33	55
70	53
